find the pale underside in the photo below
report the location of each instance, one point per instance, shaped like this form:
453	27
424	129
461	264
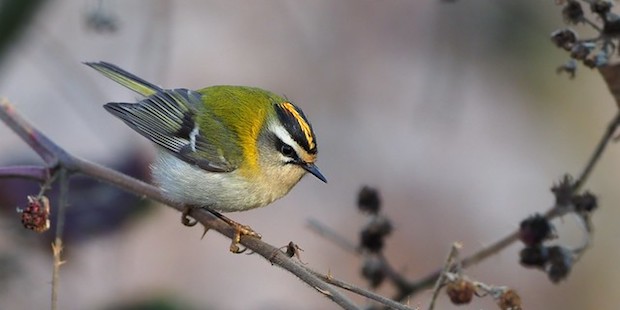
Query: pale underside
222	191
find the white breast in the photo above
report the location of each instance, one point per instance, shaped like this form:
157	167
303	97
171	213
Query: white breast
226	192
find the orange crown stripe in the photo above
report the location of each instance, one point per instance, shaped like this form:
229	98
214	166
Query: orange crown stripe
305	127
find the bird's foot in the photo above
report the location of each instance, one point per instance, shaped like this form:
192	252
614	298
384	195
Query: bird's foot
185	220
240	230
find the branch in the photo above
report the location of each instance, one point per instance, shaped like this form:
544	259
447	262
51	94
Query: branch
360	291
57	245
600	148
329	234
54	156
35	173
446	268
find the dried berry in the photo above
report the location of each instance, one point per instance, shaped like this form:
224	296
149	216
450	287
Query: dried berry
373	235
611	24
460	291
373	271
585	202
368	200
581	51
559	264
572	12
601	7
509	300
564	38
563	190
534	230
590	62
534	256
36	214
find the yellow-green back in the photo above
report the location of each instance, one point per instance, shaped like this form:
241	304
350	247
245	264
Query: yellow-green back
236	112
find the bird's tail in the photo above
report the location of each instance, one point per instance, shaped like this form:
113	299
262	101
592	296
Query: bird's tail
125	78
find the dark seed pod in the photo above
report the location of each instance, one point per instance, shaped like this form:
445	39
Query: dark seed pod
534	230
373	271
373	235
563	190
559	264
564	38
368	200
534	256
572	12
585	202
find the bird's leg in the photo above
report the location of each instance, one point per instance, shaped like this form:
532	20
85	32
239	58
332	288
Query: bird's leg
240	230
185	217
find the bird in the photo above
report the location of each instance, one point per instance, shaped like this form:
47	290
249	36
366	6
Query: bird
224	148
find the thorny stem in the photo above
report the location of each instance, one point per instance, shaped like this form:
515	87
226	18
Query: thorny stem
600	148
54	156
46	149
35	173
360	291
592	24
329	234
57	245
452	256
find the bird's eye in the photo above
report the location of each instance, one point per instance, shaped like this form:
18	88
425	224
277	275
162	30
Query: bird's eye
287	151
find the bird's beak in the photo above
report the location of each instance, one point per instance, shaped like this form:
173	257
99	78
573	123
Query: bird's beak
314	170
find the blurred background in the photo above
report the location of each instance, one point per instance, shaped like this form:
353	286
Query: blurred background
453	110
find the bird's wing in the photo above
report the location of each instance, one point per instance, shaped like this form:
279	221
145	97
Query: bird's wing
169	119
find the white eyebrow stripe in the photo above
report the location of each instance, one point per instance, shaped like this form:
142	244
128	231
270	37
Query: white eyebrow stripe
283	135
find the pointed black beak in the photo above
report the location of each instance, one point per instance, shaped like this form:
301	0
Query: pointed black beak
315	171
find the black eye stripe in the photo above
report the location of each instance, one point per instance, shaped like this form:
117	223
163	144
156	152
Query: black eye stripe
286	149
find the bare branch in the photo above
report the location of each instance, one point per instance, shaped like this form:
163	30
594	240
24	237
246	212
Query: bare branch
329	234
452	256
360	291
35	173
57	245
600	148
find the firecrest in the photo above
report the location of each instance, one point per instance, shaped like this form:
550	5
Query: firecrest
224	148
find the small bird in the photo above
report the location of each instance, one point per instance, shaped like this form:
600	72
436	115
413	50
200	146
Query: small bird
223	148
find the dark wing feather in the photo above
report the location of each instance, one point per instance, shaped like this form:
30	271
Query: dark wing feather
168	118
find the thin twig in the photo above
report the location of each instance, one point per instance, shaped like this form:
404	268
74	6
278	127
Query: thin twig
396	277
34	173
41	145
600	148
360	291
452	256
57	245
592	24
329	234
